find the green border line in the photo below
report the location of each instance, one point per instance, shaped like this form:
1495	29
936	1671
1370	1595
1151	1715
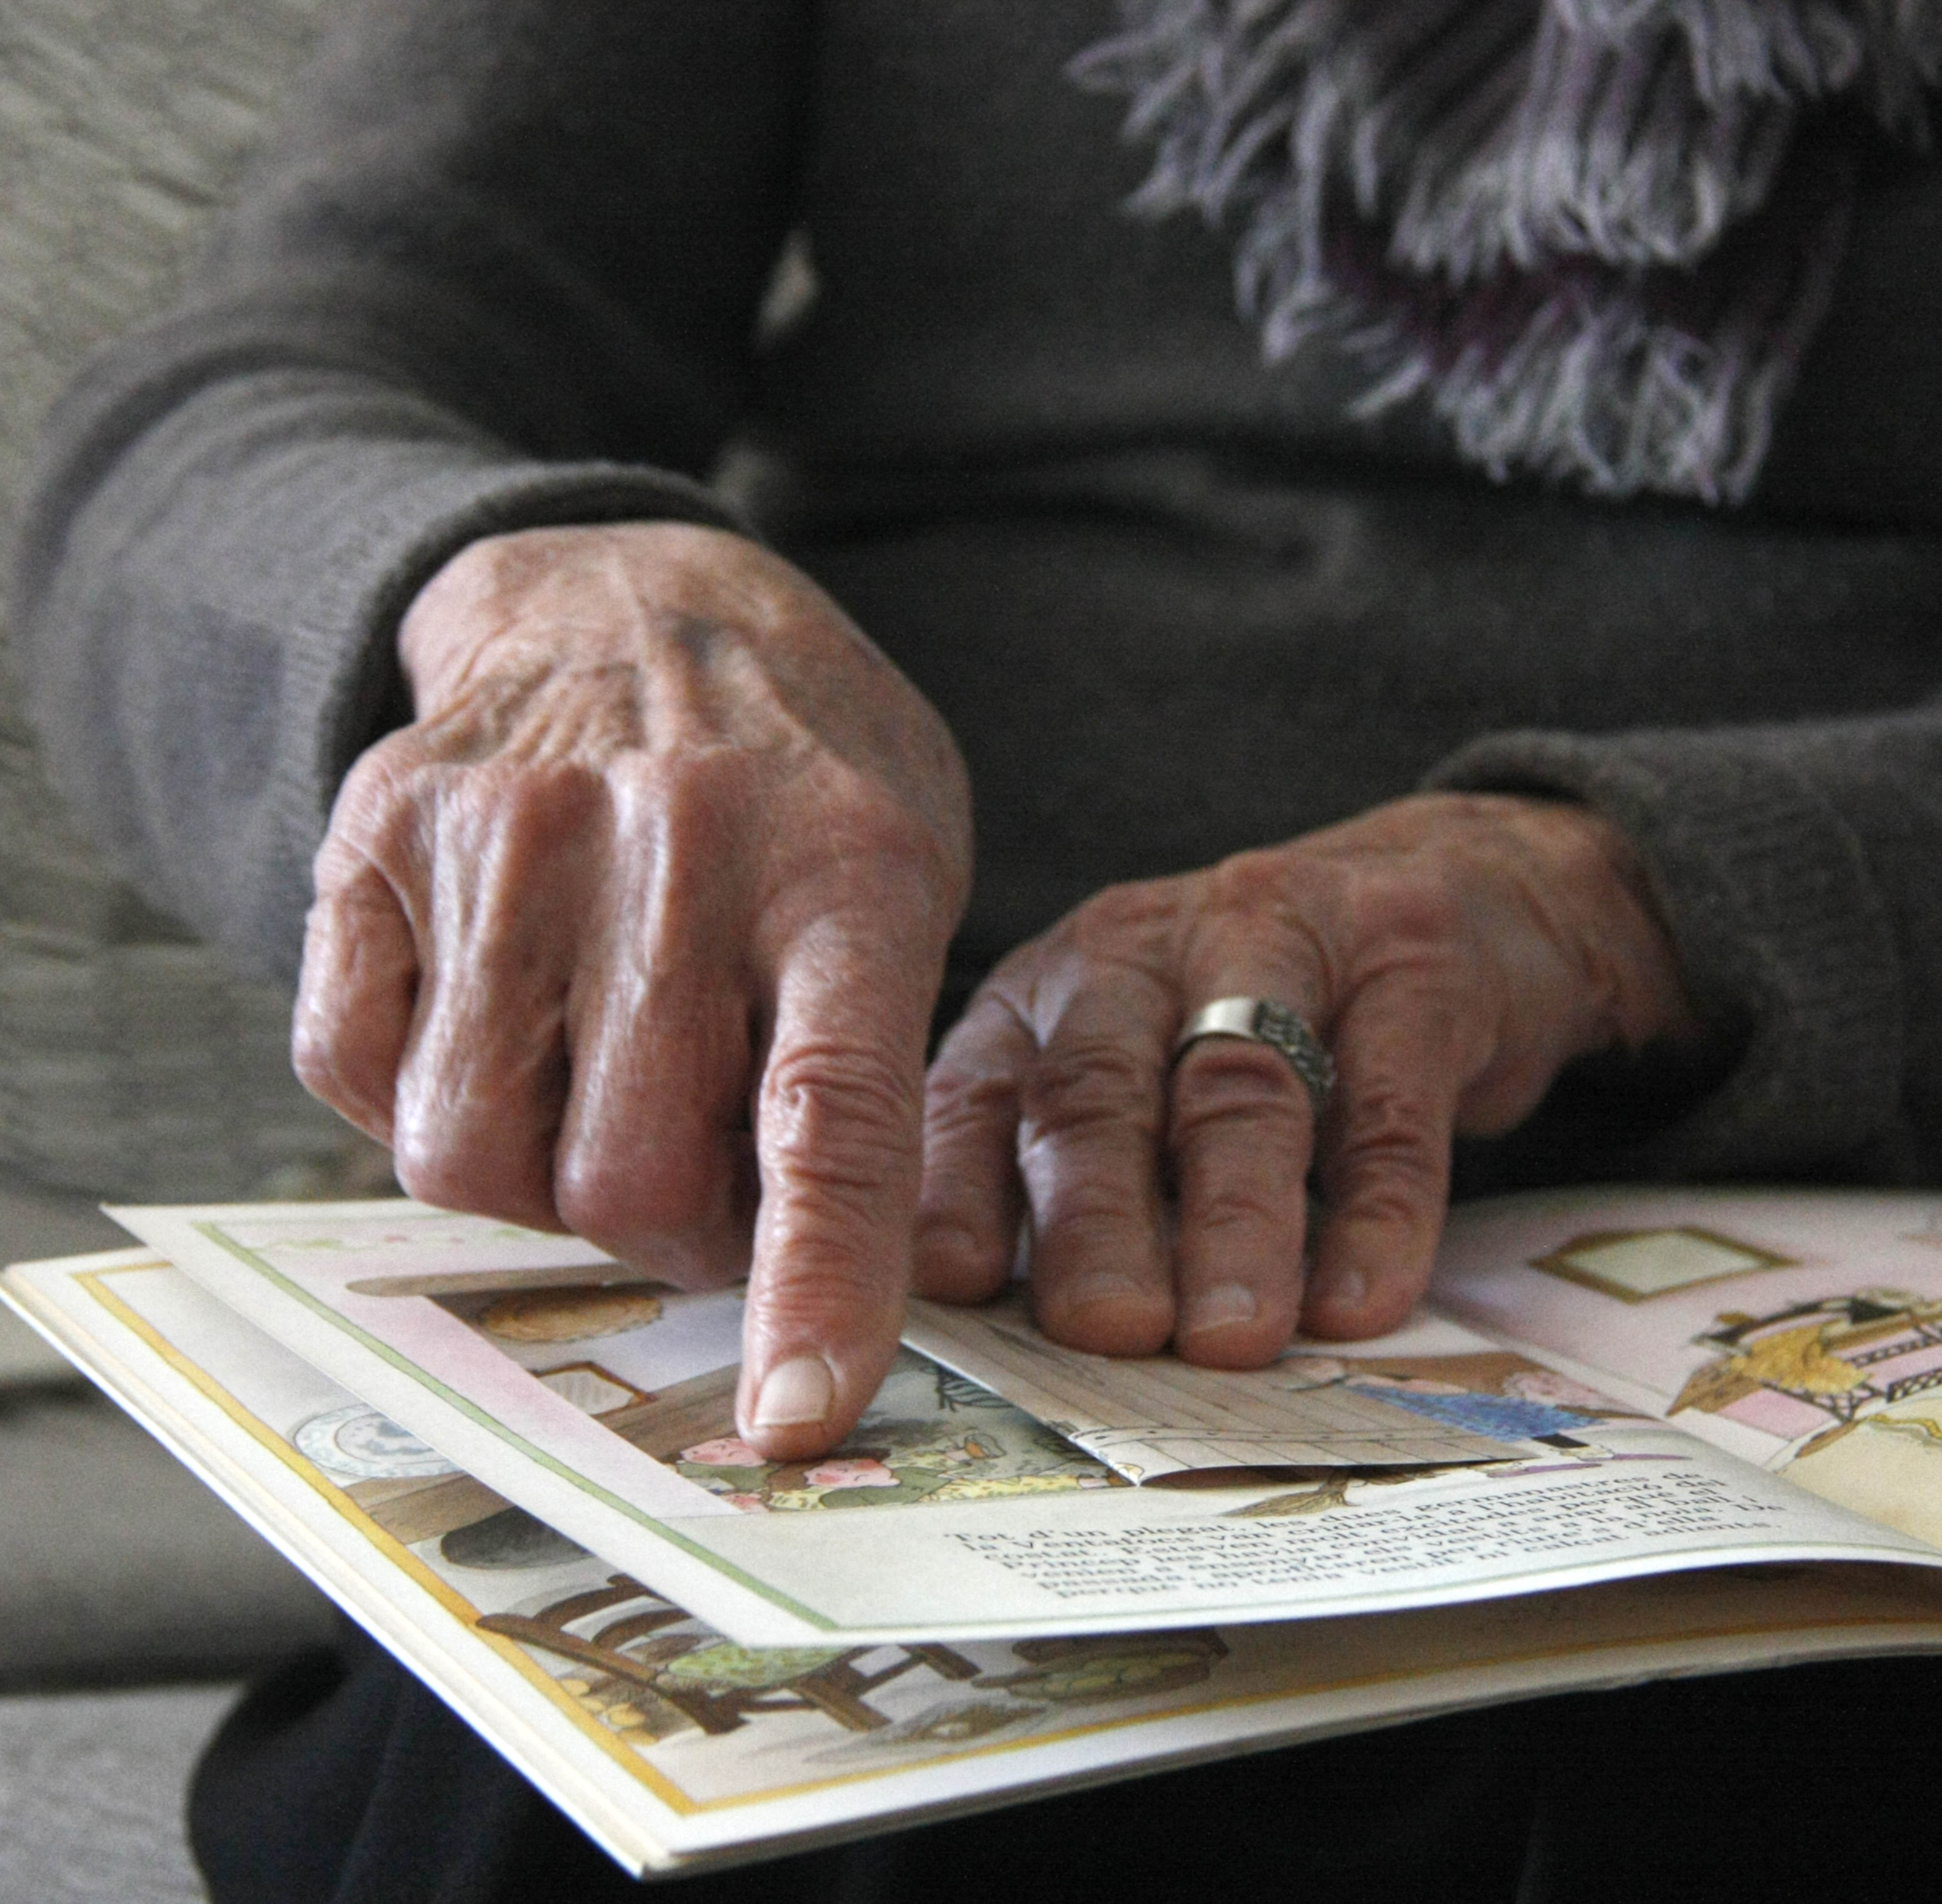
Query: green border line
1680	1561
480	1418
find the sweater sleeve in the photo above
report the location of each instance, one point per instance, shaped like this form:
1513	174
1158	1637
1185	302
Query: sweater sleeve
1795	869
503	249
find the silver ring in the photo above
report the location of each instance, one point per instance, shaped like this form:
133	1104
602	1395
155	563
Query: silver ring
1263	1022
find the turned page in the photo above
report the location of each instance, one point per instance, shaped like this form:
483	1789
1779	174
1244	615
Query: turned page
603	1406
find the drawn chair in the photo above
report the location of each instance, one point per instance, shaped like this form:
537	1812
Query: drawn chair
714	1683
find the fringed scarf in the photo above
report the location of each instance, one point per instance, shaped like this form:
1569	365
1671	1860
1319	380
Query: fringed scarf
1586	231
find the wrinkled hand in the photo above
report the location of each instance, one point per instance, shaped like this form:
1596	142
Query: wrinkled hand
1454	950
649	903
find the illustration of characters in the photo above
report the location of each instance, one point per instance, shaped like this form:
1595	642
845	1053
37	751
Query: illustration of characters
891	1462
1536	1385
1498	1395
930	1435
1498	1417
725	1464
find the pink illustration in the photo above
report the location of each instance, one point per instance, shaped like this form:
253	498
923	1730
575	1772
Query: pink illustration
858	1473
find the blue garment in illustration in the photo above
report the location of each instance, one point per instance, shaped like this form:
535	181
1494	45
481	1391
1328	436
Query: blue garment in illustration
1500	1417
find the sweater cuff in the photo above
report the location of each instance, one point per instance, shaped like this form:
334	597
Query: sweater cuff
1781	932
263	608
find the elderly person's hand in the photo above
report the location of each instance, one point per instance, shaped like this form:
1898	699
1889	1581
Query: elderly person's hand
1456	951
636	931
653	893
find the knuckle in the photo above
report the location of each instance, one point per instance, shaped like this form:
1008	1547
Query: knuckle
340	872
1081	1084
863	800
1395	1115
1234	1210
960	1098
815	1299
338	1060
514	813
1093	1208
1126	921
543	797
874	839
1242	1085
1391	1144
1422	903
824	1278
394	806
838	1119
1391	1204
486	1153
840	851
378	811
448	1176
432	1176
1250	883
380	773
845	807
1284	905
598	1198
321	1053
691	787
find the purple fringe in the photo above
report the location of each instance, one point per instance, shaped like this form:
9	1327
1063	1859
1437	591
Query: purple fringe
1581	229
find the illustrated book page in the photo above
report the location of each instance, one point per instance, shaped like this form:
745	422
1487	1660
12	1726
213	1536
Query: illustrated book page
603	1406
671	1744
1799	1331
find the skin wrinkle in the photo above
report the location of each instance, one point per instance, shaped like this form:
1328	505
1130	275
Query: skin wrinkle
612	783
815	1088
675	845
674	1192
364	951
1423	920
478	1055
972	1202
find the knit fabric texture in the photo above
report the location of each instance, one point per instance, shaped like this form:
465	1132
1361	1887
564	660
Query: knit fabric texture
507	266
1586	228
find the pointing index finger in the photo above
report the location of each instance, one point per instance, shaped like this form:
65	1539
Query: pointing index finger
838	1136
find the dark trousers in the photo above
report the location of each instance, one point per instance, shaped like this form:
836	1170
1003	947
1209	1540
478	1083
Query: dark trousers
341	1780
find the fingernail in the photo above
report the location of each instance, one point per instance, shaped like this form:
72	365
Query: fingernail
1347	1288
1103	1285
795	1394
943	1240
1220	1307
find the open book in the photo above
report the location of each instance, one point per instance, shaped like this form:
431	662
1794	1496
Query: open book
1605	1450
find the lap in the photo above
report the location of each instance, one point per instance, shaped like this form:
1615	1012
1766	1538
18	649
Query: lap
341	1780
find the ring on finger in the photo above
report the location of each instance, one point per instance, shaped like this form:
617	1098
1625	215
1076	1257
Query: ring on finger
1267	1021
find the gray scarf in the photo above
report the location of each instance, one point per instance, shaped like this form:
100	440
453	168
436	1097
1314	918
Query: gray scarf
1591	233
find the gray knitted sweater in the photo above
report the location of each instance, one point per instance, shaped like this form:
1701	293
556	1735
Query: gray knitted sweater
507	268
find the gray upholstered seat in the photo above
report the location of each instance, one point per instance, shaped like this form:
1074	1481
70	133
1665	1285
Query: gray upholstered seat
90	1794
132	1062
